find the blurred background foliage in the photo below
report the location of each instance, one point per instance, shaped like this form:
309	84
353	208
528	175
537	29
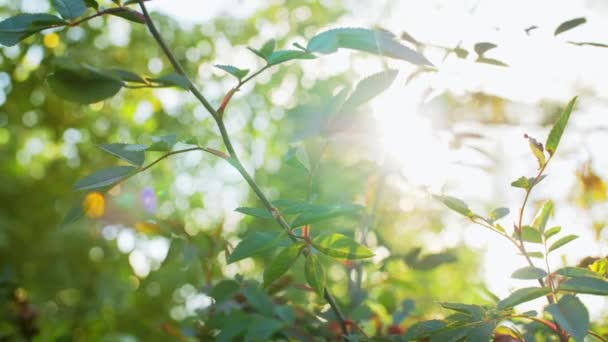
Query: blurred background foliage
144	265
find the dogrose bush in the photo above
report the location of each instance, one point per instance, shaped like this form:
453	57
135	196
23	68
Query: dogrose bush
279	307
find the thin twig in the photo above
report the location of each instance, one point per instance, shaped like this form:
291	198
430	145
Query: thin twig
234	160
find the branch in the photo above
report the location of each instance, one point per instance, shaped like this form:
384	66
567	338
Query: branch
169	154
174	62
234	160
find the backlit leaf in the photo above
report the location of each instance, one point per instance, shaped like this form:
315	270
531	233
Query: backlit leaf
522	295
569	25
593	286
70	9
498	213
21	26
282	262
104	178
455	204
540	221
255	212
83	84
340	246
319	213
315	274
369	88
571	315
552	231
559	243
173	79
521	182
529	272
577	272
253	244
378	42
163	143
130	15
234	71
283	56
558	128
483	47
537	150
134	154
297	157
531	234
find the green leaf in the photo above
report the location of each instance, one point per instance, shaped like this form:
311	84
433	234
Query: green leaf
521	182
259	299
130	15
540	221
74	214
127	76
571	315
422	329
526	183
455	204
529	272
531	234
21	26
537	150
491	61
552	231
340	246
253	244
378	42
262	328
594	44
255	212
104	178
315	274
335	102
134	154
593	286
282	262
83	84
429	261
163	143
558	129
282	56
92	4
234	327
224	290
498	213
173	79
569	25
475	311
268	48
483	47
234	71
369	88
70	9
319	213
297	157
537	255
521	296
562	241
577	272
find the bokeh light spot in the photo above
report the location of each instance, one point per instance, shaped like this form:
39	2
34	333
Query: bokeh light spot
94	205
